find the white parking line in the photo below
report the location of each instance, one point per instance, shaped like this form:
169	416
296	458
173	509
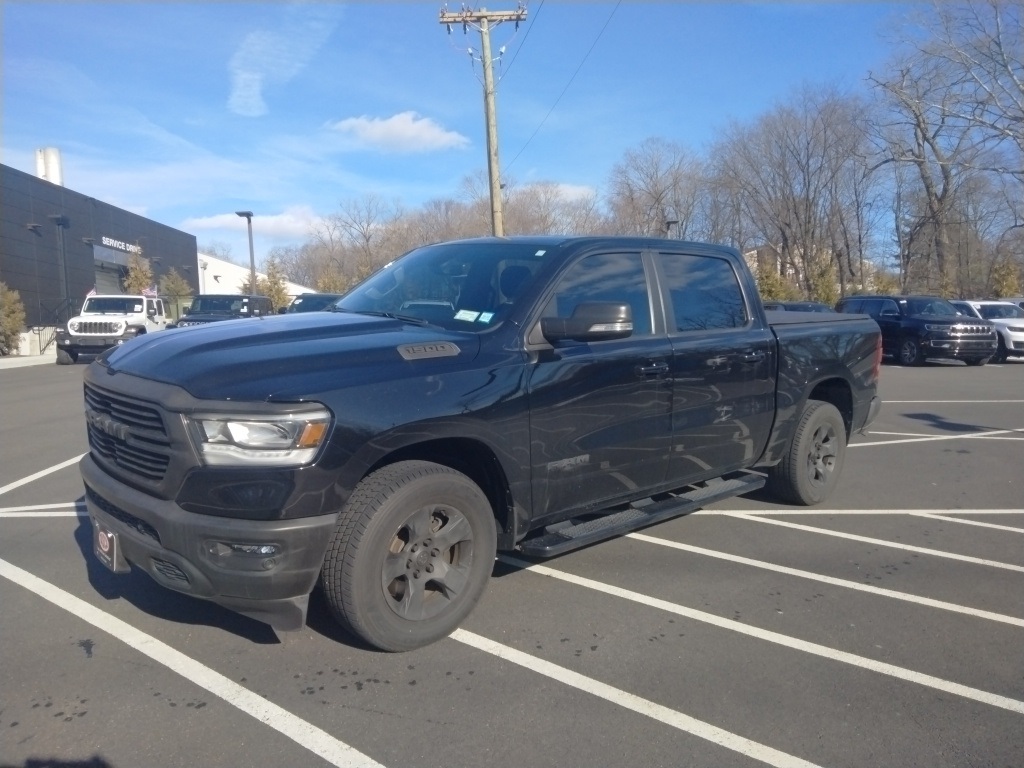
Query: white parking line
879	542
67	509
634	703
41	473
831	512
845	583
316	740
778	638
966	436
933	516
943	402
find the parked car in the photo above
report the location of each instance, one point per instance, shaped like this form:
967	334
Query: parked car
213	307
915	328
310	302
1006	317
1018	300
798	306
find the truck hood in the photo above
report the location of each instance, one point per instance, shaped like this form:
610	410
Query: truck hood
290	357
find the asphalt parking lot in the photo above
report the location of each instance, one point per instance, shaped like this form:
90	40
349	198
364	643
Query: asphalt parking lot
886	630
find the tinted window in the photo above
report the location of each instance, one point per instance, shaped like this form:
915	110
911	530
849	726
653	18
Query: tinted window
705	292
853	306
939	307
609	277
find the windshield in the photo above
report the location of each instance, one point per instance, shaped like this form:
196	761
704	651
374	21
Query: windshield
220	304
115	305
467	286
312	302
1001	311
939	307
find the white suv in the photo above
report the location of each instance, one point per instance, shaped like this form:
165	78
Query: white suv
107	321
1008	319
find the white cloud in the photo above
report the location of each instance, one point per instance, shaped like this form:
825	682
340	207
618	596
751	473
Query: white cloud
294	223
273	57
406	132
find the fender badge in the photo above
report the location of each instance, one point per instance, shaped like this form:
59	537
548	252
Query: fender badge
429	350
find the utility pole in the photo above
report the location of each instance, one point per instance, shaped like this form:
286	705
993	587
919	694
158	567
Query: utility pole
483	20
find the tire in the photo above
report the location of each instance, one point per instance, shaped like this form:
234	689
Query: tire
410	556
66	357
910	352
978	361
1002	353
810	470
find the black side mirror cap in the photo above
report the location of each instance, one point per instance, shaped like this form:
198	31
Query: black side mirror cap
590	321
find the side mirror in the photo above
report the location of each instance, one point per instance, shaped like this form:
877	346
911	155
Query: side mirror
184	311
590	321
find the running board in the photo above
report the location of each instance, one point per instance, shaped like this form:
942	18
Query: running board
564	537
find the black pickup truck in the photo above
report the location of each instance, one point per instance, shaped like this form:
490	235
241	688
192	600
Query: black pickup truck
527	394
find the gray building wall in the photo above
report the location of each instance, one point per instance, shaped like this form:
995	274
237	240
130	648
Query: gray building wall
56	245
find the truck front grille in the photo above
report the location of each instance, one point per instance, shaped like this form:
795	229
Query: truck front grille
971	330
99	327
126	433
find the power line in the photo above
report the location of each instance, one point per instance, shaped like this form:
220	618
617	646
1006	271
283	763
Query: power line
567	85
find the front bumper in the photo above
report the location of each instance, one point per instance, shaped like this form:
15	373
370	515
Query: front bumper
197	554
90	344
959	348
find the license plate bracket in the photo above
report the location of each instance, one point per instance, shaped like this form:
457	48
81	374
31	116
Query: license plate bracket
107	546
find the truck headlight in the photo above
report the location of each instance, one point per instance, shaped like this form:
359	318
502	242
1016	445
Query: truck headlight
245	440
934	327
75	325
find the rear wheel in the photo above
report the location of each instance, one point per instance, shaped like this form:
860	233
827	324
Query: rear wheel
810	470
410	556
910	352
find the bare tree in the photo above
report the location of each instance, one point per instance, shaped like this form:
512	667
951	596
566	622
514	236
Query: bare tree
659	181
800	177
981	43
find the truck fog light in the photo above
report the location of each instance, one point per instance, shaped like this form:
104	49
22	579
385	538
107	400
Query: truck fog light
231	548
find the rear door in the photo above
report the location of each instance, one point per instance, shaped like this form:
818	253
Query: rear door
599	412
723	367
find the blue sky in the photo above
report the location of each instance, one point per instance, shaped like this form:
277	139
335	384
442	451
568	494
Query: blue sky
185	112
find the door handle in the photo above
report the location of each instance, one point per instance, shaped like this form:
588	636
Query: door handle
652	369
752	357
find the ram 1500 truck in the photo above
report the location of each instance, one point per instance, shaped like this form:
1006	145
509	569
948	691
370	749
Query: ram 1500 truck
524	394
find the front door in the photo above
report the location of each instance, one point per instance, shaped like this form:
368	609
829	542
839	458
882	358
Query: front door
600	423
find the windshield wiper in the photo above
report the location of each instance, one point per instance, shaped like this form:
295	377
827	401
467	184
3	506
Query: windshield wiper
390	315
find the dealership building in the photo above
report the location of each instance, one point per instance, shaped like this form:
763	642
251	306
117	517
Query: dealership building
57	245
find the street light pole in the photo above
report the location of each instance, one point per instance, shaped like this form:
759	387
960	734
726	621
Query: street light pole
247	215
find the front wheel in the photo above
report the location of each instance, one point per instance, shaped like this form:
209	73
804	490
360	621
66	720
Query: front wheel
976	360
910	352
410	556
809	471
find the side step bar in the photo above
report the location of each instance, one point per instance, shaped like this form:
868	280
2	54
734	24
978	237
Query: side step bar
573	534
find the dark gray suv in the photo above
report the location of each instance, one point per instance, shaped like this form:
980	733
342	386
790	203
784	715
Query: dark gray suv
918	327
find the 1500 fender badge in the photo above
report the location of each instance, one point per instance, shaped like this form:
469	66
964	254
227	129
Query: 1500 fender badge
428	350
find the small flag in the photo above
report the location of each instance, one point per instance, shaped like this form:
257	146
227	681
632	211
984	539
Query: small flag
149	293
